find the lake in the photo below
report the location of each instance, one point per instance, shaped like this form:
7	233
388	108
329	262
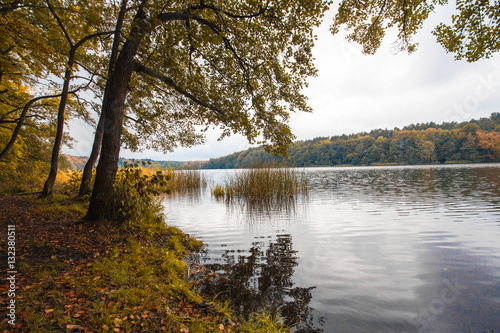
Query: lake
370	249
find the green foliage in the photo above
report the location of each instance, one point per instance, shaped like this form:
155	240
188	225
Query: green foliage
72	183
237	66
473	34
414	144
264	322
134	196
264	185
26	165
369	21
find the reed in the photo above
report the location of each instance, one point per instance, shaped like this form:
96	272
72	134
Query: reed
264	185
181	180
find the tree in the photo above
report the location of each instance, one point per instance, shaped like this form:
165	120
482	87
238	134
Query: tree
239	66
199	58
21	66
85	24
19	122
489	142
96	146
38	42
473	34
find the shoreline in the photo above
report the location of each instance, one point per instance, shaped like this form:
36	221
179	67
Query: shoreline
80	277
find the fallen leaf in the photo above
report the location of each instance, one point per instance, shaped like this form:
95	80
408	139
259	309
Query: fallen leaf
117	322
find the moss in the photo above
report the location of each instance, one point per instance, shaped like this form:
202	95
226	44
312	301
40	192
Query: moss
60	206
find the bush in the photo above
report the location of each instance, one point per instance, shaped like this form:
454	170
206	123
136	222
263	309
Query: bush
134	198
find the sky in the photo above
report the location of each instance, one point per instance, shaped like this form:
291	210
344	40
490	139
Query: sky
354	92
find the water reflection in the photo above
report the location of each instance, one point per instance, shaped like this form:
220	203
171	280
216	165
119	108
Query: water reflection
387	249
265	212
395	183
263	280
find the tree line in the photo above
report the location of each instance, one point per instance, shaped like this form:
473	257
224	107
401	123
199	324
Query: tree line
158	73
474	141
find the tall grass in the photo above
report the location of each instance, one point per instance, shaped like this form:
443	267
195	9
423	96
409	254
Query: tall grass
264	185
185	180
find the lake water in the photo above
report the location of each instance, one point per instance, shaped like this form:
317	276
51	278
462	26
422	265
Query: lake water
371	249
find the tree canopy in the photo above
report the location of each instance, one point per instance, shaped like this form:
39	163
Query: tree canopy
177	68
473	34
473	141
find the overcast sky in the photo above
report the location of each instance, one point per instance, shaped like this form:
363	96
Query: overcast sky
354	93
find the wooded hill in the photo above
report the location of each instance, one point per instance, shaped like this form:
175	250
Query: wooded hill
78	163
450	142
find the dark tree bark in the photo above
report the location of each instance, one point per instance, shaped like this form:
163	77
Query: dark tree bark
96	146
113	111
54	165
56	151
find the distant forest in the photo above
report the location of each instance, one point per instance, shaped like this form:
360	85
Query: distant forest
451	142
474	141
78	163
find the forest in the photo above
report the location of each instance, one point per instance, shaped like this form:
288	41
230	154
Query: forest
92	250
474	141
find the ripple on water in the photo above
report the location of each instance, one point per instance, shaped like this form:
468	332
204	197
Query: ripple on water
375	248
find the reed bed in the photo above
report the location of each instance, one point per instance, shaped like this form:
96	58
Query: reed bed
264	185
185	180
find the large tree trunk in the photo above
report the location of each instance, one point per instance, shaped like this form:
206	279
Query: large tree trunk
96	147
116	88
54	163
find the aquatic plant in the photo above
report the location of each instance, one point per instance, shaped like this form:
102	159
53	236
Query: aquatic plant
264	185
181	180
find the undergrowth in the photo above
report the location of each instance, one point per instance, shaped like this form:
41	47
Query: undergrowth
136	279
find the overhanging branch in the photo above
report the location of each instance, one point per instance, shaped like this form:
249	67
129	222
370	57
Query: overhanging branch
168	81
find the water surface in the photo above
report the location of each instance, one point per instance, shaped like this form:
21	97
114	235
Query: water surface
371	249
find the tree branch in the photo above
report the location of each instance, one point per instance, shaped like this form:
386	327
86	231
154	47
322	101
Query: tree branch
86	38
59	22
13	138
168	81
202	5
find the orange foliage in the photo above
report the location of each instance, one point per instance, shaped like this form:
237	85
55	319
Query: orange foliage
490	142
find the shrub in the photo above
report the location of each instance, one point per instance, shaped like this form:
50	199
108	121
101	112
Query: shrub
134	198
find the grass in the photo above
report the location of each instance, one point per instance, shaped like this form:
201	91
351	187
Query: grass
264	322
185	180
264	185
128	277
68	181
